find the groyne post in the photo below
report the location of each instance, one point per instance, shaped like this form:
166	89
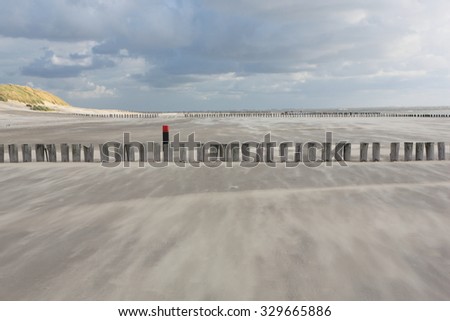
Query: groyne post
64	153
88	153
347	152
76	152
408	151
26	153
441	151
429	147
395	150
419	151
13	153
51	150
40	152
376	152
363	151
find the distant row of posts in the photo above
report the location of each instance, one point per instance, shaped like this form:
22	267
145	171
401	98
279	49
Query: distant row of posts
260	114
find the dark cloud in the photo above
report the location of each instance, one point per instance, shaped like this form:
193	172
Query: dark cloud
51	66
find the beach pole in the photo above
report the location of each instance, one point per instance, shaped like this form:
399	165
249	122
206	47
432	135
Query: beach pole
26	153
326	152
395	149
76	152
347	152
2	153
88	153
51	149
408	151
419	151
298	152
441	151
165	141
64	153
311	147
13	153
245	152
429	147
363	151
40	152
376	152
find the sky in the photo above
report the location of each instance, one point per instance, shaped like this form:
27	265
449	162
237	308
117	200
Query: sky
177	55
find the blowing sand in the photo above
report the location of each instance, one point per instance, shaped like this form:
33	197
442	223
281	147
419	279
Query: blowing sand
368	231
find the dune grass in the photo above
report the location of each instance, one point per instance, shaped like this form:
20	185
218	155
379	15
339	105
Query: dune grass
28	95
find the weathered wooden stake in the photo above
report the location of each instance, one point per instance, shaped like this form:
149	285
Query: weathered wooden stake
326	152
2	153
441	151
419	151
104	153
26	153
13	153
376	152
40	153
235	152
347	152
65	153
88	153
429	147
363	151
245	152
408	151
311	148
76	152
395	150
298	152
51	150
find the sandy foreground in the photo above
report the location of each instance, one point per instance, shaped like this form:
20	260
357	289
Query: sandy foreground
368	231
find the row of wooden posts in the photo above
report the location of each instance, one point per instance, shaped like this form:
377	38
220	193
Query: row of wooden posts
265	115
115	152
309	114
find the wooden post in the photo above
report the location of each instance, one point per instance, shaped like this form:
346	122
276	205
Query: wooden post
183	154
441	151
245	152
200	153
40	152
283	152
363	152
395	149
88	153
429	147
339	151
347	152
76	152
2	153
419	151
259	153
298	152
326	152
235	152
223	149
104	153
64	153
51	150
26	153
311	148
13	153
376	152
129	153
408	151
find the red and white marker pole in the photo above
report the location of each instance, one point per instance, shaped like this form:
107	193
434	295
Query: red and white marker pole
165	140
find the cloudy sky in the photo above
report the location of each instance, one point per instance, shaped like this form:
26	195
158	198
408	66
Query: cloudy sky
207	55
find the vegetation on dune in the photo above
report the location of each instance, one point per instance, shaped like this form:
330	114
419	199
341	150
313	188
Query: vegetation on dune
28	95
41	108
